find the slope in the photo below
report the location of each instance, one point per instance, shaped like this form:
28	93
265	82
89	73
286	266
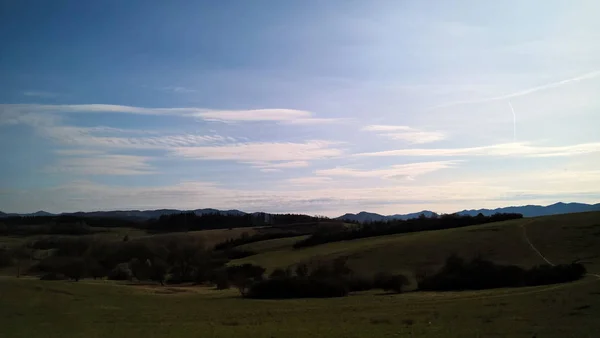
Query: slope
562	238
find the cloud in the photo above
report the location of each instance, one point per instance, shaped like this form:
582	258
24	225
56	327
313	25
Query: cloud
315	120
309	194
40	94
306	181
95	163
178	89
277	166
405	133
264	152
405	171
269	170
381	127
586	76
499	150
254	115
248	115
88	137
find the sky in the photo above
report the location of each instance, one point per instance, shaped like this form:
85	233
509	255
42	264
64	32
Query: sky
317	107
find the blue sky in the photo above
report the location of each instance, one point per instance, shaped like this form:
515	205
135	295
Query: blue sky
298	106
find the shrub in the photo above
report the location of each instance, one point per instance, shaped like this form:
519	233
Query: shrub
222	280
281	273
53	276
120	272
295	287
301	270
5	257
358	283
71	267
74	268
477	274
389	282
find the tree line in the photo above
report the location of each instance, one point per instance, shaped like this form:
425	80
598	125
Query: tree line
478	274
383	228
178	222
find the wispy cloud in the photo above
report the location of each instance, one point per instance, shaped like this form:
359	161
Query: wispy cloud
277	166
40	94
405	133
178	89
586	76
249	115
507	149
404	171
96	163
293	153
307	181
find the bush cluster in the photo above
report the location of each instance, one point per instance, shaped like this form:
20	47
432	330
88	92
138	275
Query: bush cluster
477	274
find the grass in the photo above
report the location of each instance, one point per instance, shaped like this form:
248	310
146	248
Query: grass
563	238
32	308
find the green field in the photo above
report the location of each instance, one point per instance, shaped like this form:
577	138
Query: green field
561	238
33	308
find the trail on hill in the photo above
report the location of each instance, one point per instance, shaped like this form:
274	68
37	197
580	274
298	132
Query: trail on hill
538	251
531	244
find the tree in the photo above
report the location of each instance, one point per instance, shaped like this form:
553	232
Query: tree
19	256
158	270
94	269
244	276
302	270
73	268
140	269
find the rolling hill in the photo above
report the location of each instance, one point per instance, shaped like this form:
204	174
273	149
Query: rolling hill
562	238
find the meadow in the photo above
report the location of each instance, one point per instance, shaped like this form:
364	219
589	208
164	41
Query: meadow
33	308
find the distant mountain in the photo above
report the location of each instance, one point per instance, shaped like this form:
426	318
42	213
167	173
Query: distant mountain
37	213
364	216
537	210
131	214
526	211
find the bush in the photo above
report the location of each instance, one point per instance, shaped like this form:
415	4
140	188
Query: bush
222	280
71	267
295	287
389	282
120	272
281	273
478	274
358	283
5	257
53	276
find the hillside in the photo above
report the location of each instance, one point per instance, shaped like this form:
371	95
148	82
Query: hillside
563	238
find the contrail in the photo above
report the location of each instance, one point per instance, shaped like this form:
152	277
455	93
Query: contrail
587	76
514	122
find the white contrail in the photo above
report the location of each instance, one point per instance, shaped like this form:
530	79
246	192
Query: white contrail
514	122
587	76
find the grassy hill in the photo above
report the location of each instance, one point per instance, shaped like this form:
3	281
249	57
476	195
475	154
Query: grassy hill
563	238
34	308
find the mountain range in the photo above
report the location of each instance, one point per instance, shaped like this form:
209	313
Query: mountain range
526	211
361	217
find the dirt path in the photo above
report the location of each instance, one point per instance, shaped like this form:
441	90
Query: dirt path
523	226
531	244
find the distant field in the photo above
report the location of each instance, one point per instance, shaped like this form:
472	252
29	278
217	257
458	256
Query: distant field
31	308
565	237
